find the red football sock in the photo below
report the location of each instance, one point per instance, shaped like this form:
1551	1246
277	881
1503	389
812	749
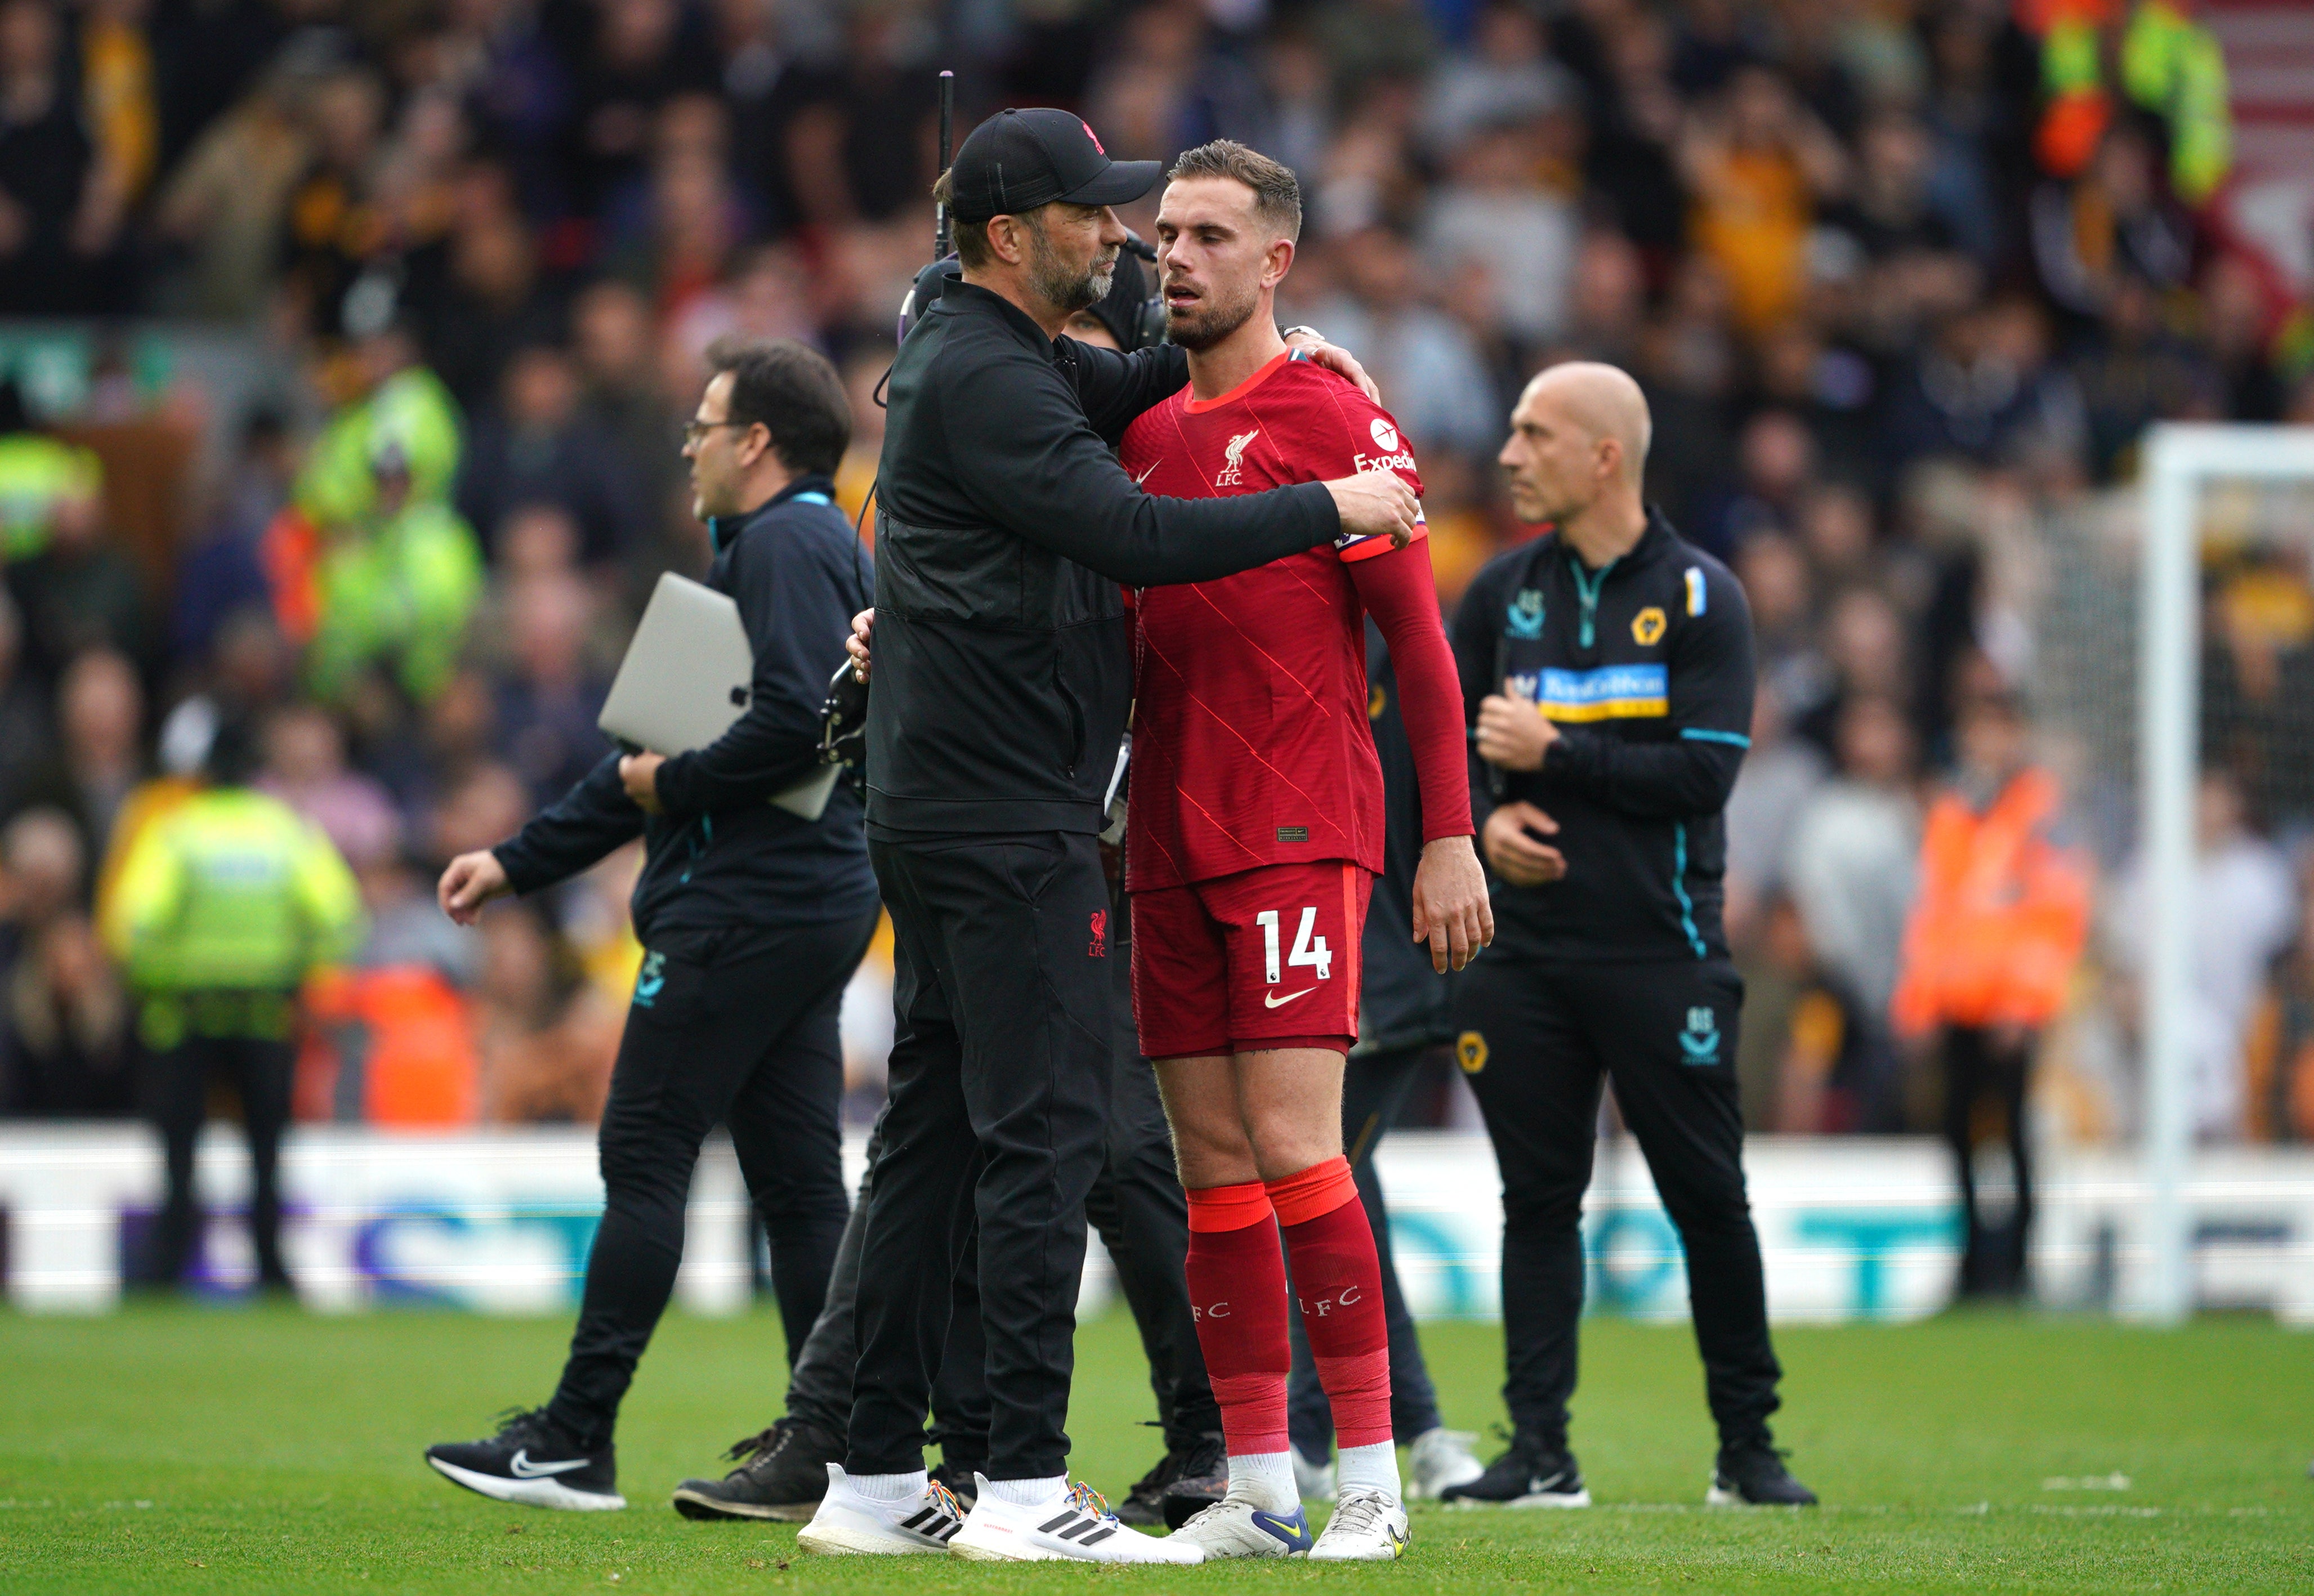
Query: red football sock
1237	1290
1337	1276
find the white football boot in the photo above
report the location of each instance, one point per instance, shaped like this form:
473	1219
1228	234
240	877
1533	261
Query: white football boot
850	1522
1073	1524
1368	1526
1439	1459
1236	1527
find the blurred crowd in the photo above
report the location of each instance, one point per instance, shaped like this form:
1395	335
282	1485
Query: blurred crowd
1905	281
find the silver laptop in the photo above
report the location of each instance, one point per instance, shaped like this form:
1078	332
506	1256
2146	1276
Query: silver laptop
686	678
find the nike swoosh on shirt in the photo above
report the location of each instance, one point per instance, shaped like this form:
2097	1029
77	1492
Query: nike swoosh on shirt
1272	1000
522	1468
1146	475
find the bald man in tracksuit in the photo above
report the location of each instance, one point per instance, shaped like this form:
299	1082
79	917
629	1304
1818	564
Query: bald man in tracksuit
1608	664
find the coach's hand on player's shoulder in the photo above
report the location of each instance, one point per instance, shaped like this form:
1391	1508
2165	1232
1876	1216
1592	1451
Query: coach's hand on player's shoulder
856	645
1452	912
1377	503
1334	357
1511	734
469	881
1513	838
639	774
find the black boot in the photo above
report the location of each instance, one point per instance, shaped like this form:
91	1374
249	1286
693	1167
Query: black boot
1536	1472
782	1474
1752	1474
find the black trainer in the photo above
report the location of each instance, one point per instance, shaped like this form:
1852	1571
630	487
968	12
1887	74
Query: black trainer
1753	1475
1533	1473
957	1479
1200	1478
533	1460
782	1474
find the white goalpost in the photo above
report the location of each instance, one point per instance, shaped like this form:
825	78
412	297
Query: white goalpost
2181	459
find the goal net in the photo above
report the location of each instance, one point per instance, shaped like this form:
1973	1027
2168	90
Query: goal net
2171	682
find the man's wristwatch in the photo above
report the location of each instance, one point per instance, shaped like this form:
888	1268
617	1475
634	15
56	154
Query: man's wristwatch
1312	331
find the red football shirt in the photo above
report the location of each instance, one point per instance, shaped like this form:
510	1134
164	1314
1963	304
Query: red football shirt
1251	745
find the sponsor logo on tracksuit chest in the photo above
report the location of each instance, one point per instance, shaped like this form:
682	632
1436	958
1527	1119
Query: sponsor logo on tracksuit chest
1638	690
1612	690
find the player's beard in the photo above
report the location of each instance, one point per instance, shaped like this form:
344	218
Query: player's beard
1210	320
1060	285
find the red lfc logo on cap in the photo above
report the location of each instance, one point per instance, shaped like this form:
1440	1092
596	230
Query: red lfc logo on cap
1091	134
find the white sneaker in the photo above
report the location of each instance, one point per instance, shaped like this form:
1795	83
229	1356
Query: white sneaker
1440	1458
1074	1523
1234	1527
1314	1481
1368	1526
848	1522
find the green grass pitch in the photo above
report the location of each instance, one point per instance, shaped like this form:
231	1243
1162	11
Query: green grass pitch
187	1449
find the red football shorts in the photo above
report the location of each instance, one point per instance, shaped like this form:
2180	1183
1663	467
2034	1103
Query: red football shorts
1265	958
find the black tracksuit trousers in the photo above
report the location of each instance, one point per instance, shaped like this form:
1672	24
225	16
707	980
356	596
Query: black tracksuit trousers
819	1383
1137	1206
998	1120
1985	1079
1543	1037
1373	1086
260	1070
1129	1213
738	1024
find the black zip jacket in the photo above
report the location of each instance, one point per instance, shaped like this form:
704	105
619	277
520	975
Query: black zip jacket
1402	1001
1004	526
722	854
1646	668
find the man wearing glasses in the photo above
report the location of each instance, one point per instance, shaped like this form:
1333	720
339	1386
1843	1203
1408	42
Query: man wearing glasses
752	920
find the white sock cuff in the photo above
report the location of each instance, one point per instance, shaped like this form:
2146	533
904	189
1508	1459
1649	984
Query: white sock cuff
888	1487
1269	1474
1027	1493
1370	1467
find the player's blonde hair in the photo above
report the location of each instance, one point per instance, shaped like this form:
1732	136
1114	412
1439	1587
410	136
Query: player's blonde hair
1276	193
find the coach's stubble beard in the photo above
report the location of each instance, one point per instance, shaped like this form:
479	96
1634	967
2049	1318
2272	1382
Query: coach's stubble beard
1061	285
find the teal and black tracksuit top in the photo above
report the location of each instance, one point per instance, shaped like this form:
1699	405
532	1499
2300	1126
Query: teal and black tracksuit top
1646	668
722	854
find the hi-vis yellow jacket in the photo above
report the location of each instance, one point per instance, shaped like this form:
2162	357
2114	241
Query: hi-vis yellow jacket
230	892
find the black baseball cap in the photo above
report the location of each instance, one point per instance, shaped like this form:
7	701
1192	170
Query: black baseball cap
1018	159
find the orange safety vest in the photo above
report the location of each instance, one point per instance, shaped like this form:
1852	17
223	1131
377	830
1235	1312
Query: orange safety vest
2002	916
290	554
415	1034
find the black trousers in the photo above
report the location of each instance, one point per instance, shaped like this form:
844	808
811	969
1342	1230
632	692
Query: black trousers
1373	1086
741	1026
259	1069
1137	1206
1985	1079
1547	1036
997	1118
820	1380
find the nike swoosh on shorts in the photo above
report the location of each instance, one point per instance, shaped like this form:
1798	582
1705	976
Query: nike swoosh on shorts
1272	1000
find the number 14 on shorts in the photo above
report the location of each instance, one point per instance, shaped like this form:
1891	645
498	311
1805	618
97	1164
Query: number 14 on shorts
1308	950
